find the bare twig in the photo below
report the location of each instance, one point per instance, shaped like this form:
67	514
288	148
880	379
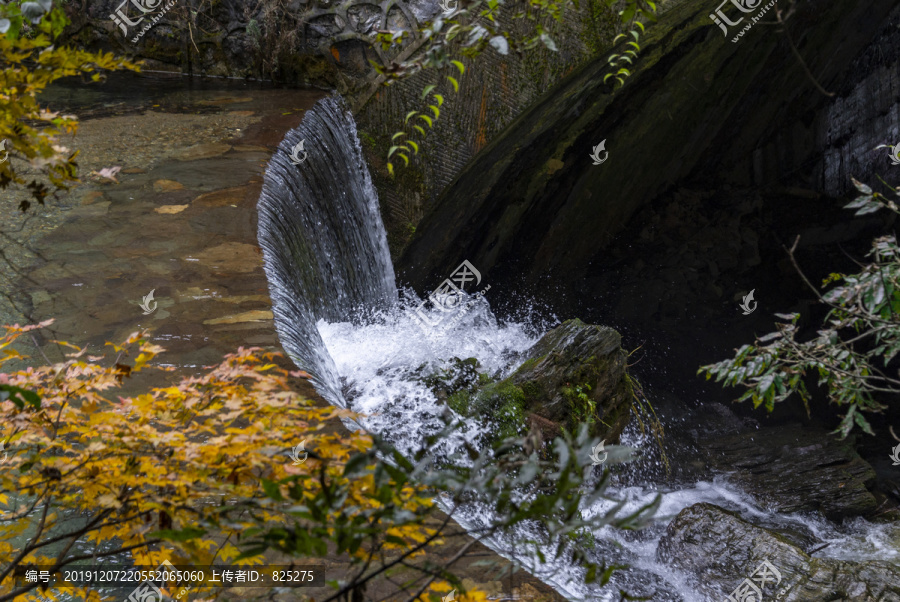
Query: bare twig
781	21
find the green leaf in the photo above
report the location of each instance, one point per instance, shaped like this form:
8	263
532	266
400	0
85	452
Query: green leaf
409	115
427	90
455	83
356	465
397	135
435	110
440	99
861	187
427	120
272	490
460	66
548	42
19	397
415	146
420	129
500	44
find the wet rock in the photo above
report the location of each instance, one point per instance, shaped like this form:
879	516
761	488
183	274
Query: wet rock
171	209
92	210
89	197
254	315
231	257
576	374
721	550
202	151
167	186
222	198
792	468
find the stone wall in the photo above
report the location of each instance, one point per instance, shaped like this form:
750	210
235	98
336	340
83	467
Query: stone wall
494	90
328	44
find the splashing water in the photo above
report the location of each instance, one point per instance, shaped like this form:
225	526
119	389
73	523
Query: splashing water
339	316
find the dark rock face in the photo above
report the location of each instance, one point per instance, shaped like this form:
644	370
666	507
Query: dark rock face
721	551
574	374
791	468
720	154
532	202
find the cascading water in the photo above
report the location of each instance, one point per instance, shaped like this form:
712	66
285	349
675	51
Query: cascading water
340	317
324	245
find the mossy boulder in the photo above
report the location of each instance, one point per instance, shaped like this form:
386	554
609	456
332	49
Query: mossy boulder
574	375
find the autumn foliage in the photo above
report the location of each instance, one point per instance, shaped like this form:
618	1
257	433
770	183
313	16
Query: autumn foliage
31	58
168	466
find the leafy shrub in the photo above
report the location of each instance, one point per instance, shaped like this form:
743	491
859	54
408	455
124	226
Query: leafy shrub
141	472
30	59
854	348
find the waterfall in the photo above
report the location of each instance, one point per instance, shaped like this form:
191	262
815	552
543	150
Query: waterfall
324	245
339	316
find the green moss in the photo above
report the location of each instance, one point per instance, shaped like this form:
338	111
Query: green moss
502	405
599	26
532	391
582	409
459	402
368	140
